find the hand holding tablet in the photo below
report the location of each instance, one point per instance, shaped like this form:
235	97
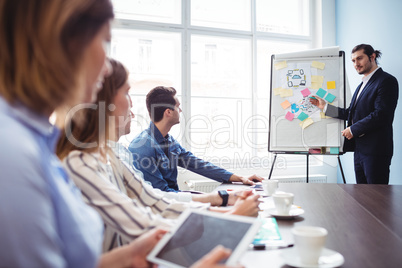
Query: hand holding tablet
213	258
198	232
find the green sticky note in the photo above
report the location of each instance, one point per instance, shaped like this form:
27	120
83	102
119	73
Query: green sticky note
334	150
330	97
302	116
321	93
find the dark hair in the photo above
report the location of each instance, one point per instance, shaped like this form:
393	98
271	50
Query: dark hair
368	50
91	130
158	100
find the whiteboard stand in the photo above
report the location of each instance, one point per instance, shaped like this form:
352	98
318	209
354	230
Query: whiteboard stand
340	166
273	163
272	167
307	168
307	164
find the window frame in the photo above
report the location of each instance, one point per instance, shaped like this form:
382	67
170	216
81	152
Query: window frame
186	30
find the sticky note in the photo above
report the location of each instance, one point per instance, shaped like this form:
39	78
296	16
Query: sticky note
289	116
330	97
285	104
280	65
334	150
302	116
315	85
286	92
305	92
321	93
277	91
331	85
317	79
306	123
318	65
314	151
323	116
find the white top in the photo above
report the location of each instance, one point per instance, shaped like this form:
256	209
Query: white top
365	80
128	206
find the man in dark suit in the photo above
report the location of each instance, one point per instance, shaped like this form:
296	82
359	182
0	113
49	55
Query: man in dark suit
369	117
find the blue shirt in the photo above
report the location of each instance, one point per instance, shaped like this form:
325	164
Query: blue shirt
43	220
158	157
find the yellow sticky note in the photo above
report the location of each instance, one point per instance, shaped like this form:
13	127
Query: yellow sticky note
285	104
323	116
331	85
315	85
318	65
277	91
286	93
280	65
306	123
317	79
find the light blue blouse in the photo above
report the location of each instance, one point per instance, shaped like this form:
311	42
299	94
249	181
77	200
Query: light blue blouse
43	220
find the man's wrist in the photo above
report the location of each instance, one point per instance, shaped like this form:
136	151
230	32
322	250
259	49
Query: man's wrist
235	177
350	129
324	109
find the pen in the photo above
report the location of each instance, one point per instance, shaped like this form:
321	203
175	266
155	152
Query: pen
263	246
314	98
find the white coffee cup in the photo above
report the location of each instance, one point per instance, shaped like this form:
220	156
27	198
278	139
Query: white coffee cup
309	242
283	202
270	186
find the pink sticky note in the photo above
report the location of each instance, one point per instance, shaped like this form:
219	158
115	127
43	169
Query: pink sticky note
305	92
289	116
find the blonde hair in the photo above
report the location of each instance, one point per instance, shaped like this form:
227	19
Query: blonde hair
41	45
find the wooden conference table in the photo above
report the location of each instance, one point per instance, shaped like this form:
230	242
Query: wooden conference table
364	223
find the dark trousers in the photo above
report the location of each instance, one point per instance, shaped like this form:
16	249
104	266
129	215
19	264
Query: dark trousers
372	169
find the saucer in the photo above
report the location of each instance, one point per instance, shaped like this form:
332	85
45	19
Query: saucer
294	212
328	259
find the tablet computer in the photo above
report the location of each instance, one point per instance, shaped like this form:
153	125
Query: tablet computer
198	232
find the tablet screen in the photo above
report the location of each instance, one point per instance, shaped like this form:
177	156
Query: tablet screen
199	233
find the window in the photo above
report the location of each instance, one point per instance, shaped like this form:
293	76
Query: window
285	17
153	58
145	55
218	58
223	14
165	11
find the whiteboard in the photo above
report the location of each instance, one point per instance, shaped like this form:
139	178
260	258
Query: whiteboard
295	125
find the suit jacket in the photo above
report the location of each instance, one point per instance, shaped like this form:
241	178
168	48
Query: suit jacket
370	117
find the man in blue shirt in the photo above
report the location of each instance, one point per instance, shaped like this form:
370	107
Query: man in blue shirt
157	154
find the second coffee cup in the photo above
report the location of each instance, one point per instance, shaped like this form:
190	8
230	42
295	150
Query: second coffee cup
270	186
283	202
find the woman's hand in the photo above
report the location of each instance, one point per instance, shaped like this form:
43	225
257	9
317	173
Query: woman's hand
212	259
143	245
247	204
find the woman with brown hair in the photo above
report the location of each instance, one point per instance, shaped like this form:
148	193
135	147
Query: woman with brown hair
128	205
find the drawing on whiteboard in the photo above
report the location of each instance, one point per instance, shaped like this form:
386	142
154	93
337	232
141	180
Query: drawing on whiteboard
296	78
